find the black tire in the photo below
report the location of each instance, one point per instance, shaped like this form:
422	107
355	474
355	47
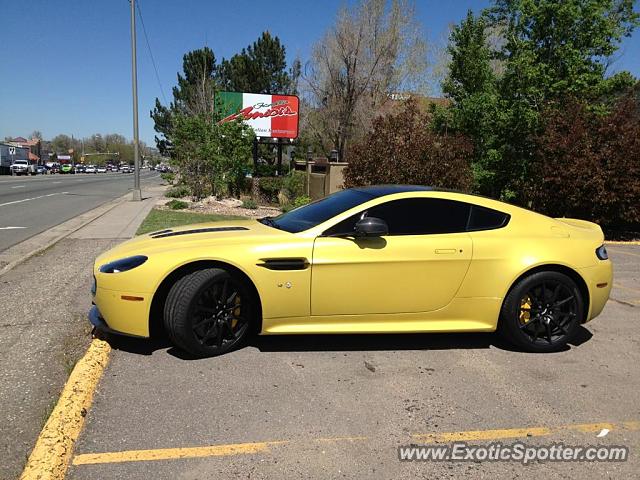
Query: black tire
203	318
542	312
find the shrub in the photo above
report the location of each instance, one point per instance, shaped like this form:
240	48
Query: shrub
250	204
213	158
266	170
269	170
402	149
294	184
178	191
270	187
298	202
587	165
301	201
177	204
168	177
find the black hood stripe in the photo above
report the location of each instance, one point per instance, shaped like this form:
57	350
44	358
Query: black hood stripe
160	231
170	233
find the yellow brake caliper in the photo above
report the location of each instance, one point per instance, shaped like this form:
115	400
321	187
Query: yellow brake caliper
525	310
236	312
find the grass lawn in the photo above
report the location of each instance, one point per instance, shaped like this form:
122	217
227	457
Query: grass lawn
161	219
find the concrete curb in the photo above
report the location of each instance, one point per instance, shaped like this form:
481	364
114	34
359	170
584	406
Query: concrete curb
17	254
50	457
620	242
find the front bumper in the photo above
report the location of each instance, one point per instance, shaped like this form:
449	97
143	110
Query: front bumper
96	319
123	312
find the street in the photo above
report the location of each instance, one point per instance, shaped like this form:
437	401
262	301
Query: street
30	205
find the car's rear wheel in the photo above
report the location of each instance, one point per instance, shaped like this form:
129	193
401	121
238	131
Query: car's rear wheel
542	312
209	312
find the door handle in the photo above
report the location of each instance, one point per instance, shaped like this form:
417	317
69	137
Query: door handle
445	250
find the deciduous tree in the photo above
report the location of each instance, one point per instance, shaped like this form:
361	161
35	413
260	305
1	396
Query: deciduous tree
402	148
587	165
374	49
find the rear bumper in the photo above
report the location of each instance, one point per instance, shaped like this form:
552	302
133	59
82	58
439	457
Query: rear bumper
599	280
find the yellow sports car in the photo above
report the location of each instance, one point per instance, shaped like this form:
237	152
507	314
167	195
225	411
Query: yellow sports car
377	259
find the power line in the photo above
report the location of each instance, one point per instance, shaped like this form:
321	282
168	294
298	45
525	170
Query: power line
155	68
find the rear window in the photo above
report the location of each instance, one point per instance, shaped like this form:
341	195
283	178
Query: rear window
482	218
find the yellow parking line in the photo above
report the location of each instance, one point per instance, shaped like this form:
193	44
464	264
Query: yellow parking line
265	447
499	434
50	456
174	453
342	439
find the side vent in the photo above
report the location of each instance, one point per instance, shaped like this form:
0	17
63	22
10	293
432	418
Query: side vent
284	263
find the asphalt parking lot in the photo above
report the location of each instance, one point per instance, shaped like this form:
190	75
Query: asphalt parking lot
339	406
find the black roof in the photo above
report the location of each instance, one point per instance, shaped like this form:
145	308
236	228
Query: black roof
382	190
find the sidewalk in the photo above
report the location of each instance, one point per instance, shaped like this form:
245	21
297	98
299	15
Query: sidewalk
43	326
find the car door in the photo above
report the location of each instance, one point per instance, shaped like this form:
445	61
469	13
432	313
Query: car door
418	267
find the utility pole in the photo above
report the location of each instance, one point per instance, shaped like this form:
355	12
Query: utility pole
137	193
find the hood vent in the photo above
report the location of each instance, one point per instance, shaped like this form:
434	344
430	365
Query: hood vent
171	233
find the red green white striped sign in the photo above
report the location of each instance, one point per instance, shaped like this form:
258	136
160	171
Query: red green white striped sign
273	116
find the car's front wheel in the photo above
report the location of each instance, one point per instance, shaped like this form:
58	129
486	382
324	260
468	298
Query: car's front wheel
209	312
542	312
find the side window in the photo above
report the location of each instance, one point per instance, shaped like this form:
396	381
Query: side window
483	218
414	216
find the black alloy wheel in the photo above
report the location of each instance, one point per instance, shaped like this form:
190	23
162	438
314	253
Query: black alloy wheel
208	312
542	312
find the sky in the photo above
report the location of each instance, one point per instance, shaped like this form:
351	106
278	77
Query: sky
65	65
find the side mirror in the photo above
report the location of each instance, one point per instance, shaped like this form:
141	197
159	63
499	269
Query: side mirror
371	227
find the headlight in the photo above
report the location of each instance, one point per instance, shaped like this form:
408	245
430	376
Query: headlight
123	264
601	252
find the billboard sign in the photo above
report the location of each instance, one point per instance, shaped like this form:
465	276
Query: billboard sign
272	116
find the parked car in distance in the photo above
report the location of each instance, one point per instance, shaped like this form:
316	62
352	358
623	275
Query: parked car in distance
21	167
101	169
90	169
41	170
66	168
79	168
125	169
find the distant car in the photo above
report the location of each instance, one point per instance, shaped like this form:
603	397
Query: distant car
66	168
41	170
124	169
90	169
20	167
101	169
79	168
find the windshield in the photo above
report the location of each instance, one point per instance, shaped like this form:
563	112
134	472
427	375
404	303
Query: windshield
315	213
